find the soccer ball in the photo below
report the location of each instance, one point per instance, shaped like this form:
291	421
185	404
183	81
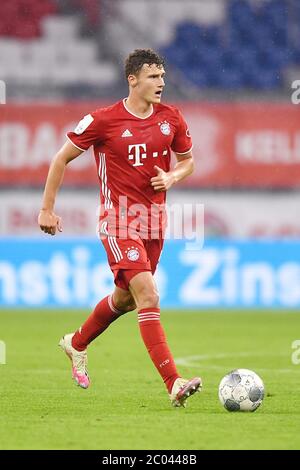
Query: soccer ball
241	390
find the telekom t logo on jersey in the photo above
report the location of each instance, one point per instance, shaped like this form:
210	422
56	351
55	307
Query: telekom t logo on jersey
138	152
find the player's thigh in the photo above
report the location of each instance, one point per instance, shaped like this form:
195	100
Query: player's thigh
154	249
144	290
123	300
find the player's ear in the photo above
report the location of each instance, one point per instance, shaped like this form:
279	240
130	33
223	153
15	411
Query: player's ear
132	80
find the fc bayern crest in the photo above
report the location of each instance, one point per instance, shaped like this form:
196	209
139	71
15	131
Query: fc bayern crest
165	128
132	253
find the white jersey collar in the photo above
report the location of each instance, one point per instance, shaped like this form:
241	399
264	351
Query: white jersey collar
135	115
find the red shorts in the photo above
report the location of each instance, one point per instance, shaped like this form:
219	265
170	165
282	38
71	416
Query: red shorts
128	257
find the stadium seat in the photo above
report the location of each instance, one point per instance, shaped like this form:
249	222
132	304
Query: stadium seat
21	18
223	42
60	57
251	49
59	28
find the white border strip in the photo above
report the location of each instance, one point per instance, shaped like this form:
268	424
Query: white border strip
183	153
83	150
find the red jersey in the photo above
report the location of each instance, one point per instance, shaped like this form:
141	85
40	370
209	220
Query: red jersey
126	148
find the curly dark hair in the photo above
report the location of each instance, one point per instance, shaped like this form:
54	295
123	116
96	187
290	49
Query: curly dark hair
138	58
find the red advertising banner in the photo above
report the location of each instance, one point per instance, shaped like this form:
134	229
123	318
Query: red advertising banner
30	136
245	145
235	145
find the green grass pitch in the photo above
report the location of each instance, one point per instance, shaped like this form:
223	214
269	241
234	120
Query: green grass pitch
126	406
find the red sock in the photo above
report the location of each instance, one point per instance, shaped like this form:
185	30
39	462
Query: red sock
155	341
103	315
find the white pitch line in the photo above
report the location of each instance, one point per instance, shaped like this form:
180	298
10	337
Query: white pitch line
196	361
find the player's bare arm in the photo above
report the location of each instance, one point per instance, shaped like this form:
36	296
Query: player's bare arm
48	221
183	168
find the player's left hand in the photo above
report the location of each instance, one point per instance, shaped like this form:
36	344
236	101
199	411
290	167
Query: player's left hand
163	181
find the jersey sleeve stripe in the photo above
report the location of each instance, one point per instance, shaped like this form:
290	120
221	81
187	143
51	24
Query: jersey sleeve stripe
83	150
183	153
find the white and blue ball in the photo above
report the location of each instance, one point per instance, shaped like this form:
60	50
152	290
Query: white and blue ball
241	390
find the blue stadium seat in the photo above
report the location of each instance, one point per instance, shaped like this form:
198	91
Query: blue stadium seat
251	49
263	78
238	9
175	55
188	32
197	76
230	78
280	56
295	51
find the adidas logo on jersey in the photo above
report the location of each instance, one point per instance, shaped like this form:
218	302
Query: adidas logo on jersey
127	133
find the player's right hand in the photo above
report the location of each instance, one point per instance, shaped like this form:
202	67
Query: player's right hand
49	222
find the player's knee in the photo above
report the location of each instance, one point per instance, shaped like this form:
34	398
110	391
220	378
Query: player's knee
149	299
124	303
129	307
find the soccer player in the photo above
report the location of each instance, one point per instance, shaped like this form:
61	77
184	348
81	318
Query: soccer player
132	141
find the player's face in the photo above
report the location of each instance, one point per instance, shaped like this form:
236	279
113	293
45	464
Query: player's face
150	83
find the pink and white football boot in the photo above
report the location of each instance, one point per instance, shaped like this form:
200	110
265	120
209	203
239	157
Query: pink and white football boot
182	389
78	359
